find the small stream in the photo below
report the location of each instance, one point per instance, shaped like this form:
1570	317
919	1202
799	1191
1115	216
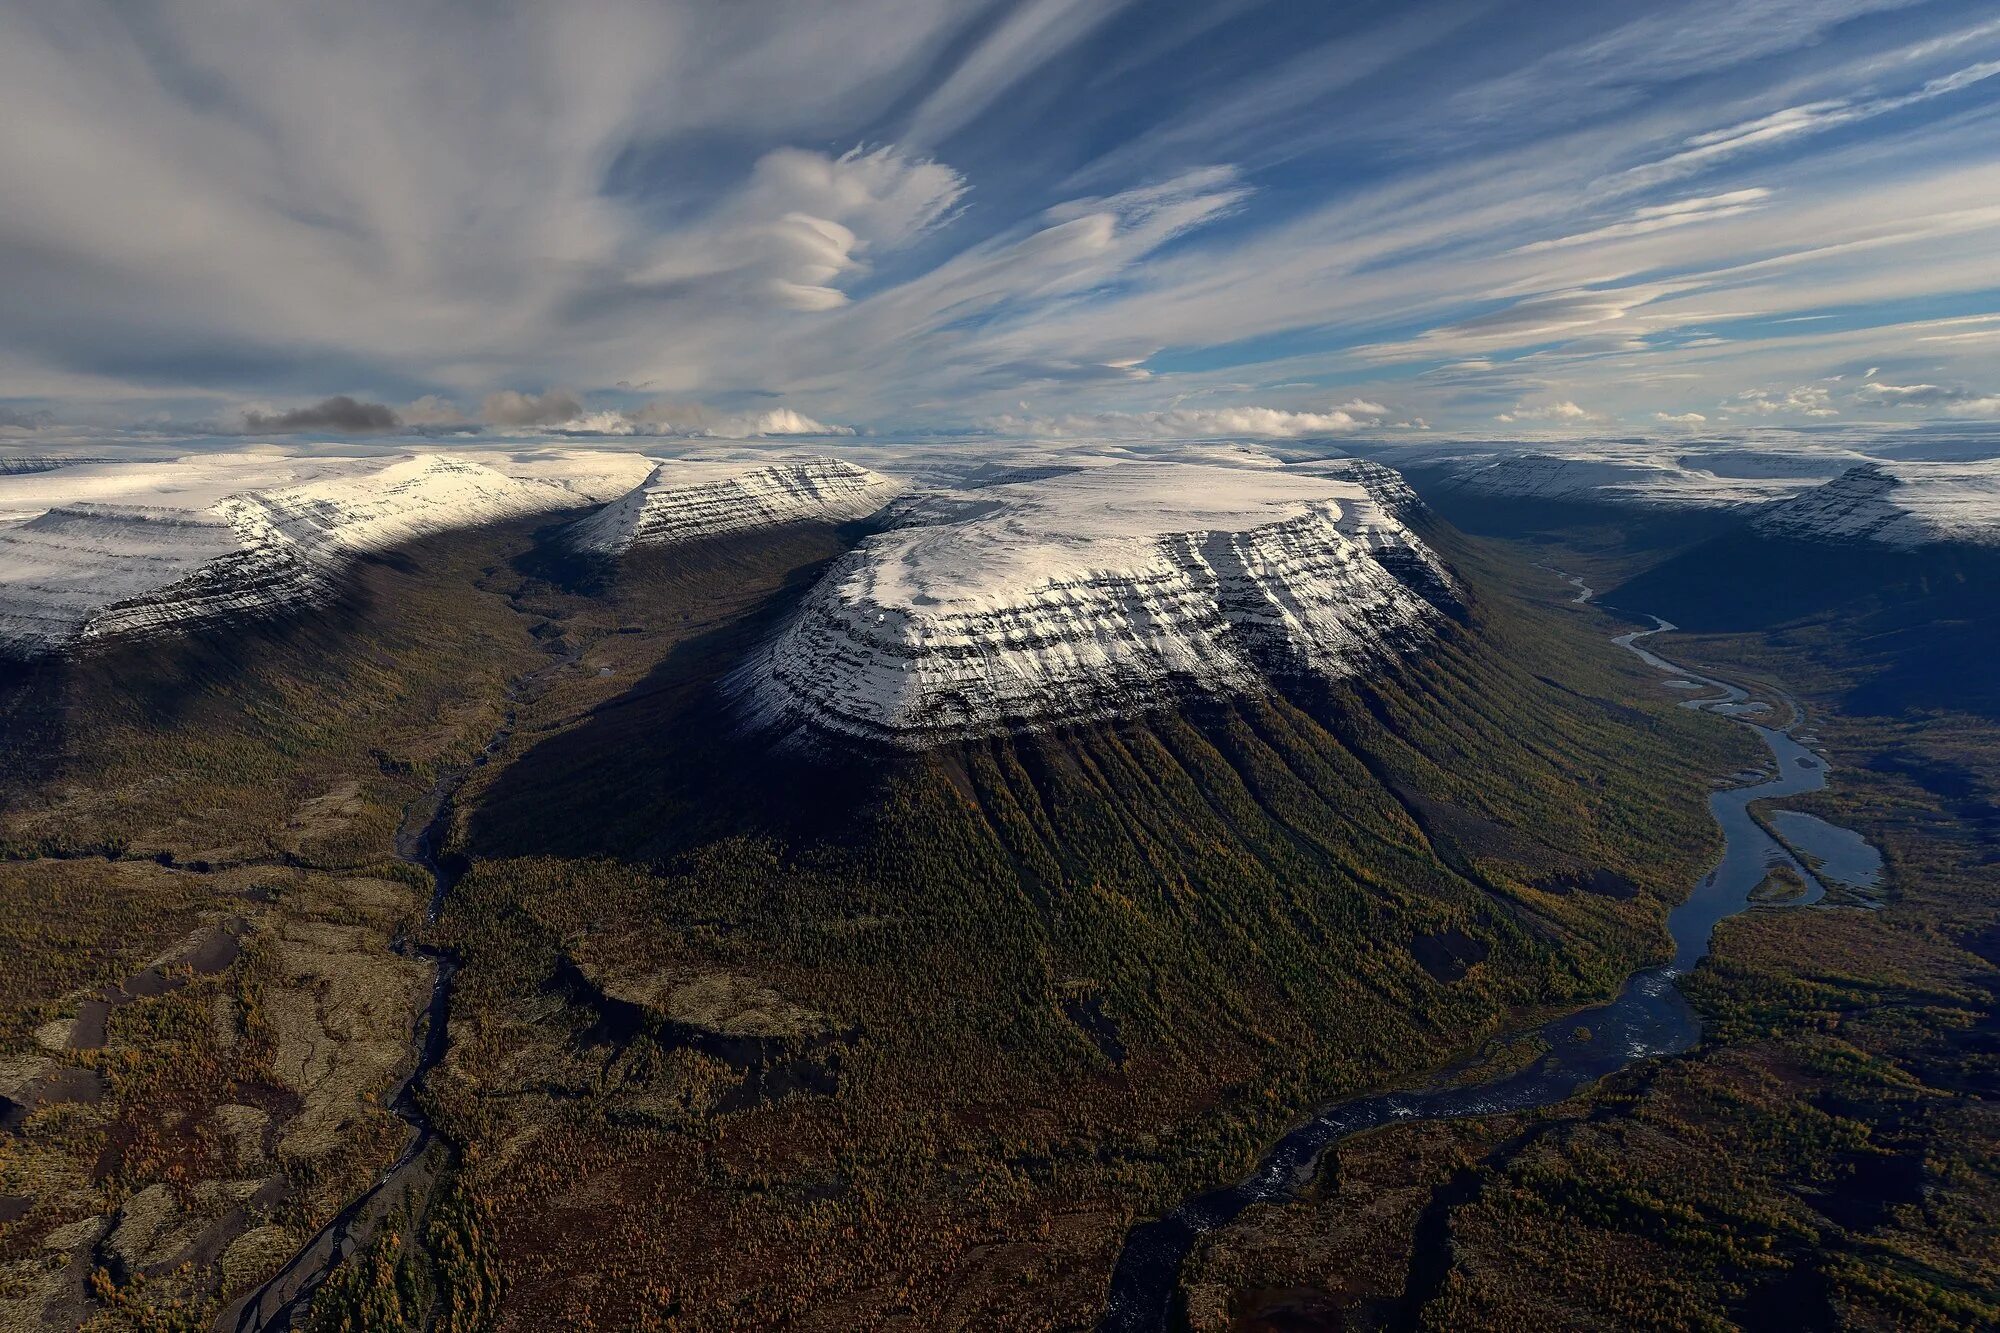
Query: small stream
1649	1018
281	1301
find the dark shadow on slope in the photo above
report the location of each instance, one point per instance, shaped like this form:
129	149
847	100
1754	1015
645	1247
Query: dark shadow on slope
1913	629
1611	531
670	763
210	675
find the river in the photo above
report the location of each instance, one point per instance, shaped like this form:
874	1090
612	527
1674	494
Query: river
412	1175
1651	1017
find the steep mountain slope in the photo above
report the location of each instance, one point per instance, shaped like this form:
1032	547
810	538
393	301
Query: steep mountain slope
686	500
1889	575
1096	593
83	572
957	1012
1622	502
930	1024
1900	504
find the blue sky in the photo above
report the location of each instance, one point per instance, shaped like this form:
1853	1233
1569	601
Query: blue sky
1019	216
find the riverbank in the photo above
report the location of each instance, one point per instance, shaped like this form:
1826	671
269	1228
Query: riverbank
1650	1018
1823	1158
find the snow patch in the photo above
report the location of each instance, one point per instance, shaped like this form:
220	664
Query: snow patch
1901	504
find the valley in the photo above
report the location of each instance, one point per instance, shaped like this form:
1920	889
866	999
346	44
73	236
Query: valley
1822	1156
768	977
1000	666
683	1019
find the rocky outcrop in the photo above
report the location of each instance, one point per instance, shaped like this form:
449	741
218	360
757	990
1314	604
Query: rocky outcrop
687	500
1103	592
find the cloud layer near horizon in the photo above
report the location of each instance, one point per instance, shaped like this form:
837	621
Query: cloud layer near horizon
1058	216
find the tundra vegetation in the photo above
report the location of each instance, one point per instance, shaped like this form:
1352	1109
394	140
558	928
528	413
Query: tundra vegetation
1827	1157
742	1038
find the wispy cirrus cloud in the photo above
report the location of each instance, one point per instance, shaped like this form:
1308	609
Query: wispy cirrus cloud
910	213
1661	217
1712	147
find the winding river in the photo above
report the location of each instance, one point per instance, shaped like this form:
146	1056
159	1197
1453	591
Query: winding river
1649	1018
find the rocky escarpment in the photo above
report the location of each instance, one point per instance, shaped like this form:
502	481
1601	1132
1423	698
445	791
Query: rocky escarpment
1383	529
1103	592
1384	484
84	572
1899	504
21	465
687	500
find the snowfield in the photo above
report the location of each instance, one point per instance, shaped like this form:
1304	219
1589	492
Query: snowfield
690	499
1901	504
1095	593
120	551
1659	478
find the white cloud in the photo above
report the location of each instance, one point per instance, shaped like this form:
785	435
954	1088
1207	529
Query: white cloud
804	222
1911	395
1680	418
1809	400
1031	34
782	421
1189	423
1661	217
1953	402
692	421
1714	146
1562	411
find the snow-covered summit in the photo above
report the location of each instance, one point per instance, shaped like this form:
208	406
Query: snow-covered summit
1094	593
1901	504
1655	481
115	552
689	499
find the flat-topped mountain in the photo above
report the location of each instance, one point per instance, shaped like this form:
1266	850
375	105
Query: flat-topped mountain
690	499
1901	504
1891	571
1649	478
1099	592
87	571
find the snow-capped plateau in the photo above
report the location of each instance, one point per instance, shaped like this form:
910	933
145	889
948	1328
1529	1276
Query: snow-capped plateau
1095	593
20	464
1647	477
686	500
1649	482
1902	504
134	550
596	476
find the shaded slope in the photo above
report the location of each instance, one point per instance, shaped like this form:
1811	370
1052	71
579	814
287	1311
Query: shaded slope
1055	978
1906	628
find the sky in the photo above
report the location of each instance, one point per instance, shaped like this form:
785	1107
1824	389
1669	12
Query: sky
1190	218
